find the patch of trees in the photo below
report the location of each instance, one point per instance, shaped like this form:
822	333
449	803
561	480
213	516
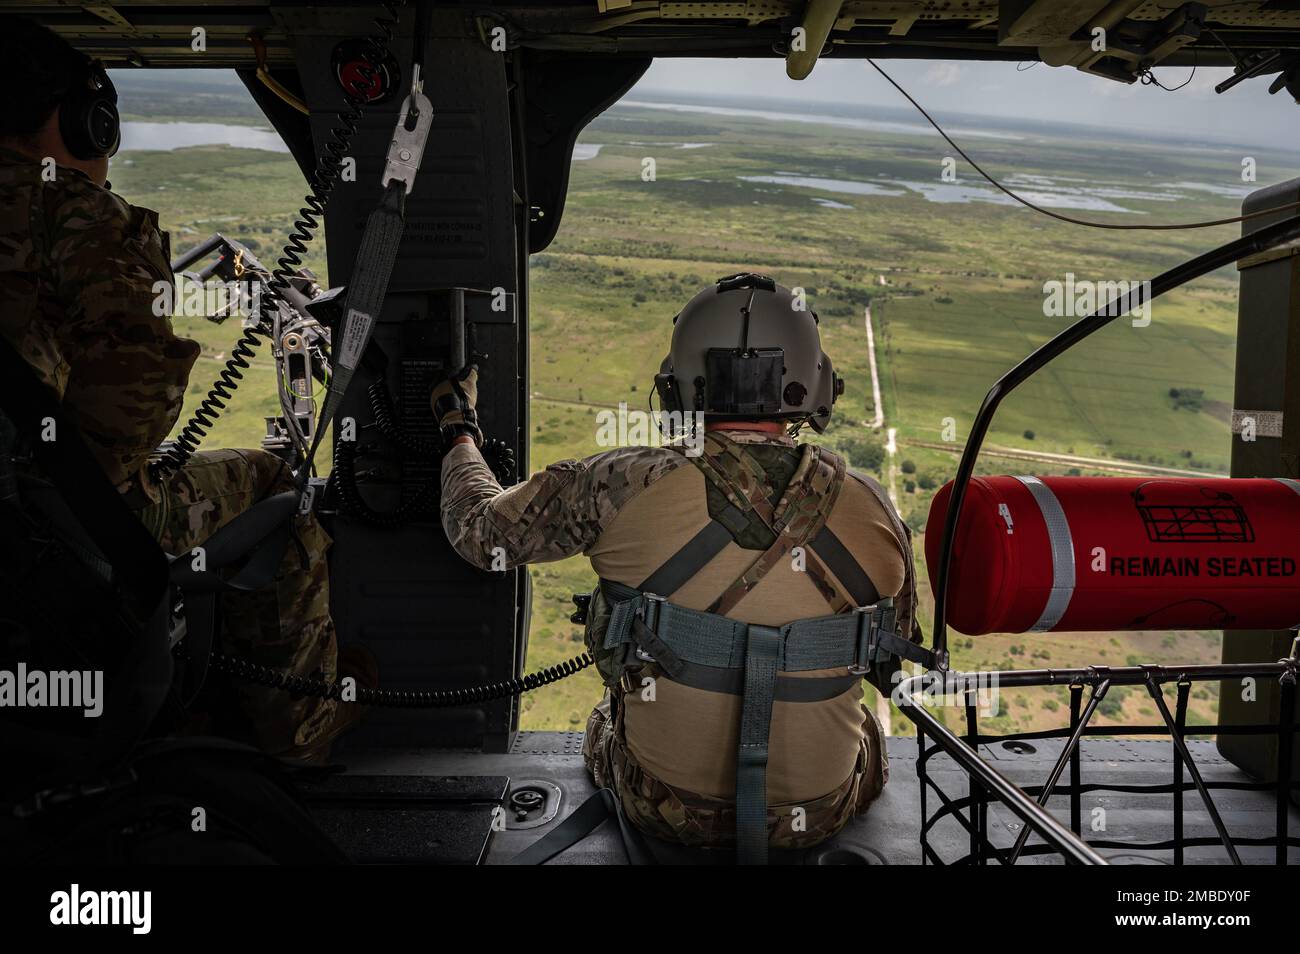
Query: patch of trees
1187	399
864	453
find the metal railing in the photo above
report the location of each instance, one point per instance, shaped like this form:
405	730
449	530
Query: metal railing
988	786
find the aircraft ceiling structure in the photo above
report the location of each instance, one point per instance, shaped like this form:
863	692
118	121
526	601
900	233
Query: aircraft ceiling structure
1139	34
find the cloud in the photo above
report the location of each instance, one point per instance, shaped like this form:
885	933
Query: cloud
944	74
1246	115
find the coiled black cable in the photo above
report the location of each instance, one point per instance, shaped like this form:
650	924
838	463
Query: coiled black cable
500	457
420	505
398	698
374	49
343	480
385	417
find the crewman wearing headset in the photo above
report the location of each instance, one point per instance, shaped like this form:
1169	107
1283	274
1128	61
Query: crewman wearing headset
79	272
745	590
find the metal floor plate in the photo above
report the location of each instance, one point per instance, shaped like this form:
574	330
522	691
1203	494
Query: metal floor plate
407	819
889	833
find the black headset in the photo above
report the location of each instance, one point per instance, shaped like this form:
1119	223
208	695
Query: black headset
88	116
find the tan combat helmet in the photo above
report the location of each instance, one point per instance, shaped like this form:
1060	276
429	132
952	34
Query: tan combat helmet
748	349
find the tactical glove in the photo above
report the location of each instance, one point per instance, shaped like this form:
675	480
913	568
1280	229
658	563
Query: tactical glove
453	406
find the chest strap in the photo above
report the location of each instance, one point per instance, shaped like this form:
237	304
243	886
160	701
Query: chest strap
805	504
711	652
797	519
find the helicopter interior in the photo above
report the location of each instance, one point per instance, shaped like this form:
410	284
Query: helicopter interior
511	86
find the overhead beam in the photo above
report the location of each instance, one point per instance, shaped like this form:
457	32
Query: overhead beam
1044	22
154	33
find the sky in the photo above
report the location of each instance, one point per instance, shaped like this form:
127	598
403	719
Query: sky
1246	113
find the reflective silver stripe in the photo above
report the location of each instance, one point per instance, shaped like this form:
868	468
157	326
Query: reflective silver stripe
1293	484
1058	535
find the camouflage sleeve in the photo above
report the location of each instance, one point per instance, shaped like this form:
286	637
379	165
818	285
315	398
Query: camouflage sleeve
128	369
909	626
556	513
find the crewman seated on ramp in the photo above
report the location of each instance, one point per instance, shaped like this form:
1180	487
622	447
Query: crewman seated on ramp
747	582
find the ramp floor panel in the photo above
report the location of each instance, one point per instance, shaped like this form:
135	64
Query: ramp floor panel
888	834
407	819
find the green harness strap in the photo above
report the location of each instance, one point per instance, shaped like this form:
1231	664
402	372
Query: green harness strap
680	648
797	517
762	650
719	654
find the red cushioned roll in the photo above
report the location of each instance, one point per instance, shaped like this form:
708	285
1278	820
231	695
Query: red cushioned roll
1111	553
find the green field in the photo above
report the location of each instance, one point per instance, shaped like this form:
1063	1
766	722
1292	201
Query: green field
961	300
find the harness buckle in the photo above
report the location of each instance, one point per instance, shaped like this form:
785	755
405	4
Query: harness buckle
583	603
864	651
649	615
627	653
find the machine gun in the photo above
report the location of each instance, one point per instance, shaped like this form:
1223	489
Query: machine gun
297	326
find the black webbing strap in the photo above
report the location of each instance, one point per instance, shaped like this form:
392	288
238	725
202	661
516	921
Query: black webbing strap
238	536
582	821
847	570
681	567
732	680
367	288
762	652
42	496
724	527
887	643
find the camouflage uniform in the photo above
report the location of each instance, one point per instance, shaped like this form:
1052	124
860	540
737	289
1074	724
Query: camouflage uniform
80	271
628	511
286	626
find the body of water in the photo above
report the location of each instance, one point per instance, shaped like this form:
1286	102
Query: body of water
169	136
830	185
850	122
946	192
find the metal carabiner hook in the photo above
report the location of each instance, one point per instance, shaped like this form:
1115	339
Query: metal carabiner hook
414	118
407	147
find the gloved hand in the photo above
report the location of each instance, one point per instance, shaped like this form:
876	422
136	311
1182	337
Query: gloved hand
453	406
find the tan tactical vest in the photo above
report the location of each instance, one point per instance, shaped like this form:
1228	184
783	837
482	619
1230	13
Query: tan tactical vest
781	537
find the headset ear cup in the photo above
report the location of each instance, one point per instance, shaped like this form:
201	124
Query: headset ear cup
88	117
670	398
837	382
106	127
